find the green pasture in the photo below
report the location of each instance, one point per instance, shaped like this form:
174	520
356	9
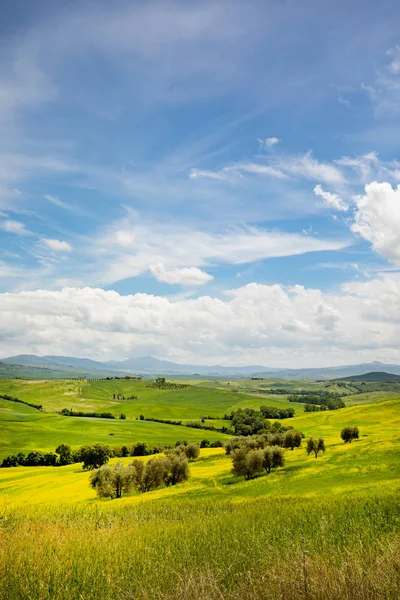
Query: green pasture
317	529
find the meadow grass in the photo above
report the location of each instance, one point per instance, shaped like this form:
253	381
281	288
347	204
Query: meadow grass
267	548
317	529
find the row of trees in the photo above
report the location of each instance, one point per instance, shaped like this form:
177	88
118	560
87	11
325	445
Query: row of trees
68	412
250	463
290	439
331	401
254	454
14	399
247	421
114	481
93	456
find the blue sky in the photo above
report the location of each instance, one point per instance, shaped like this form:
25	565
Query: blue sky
165	160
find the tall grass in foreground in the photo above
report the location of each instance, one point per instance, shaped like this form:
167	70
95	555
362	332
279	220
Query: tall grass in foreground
265	549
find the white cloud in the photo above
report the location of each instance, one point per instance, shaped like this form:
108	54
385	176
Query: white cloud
130	247
377	219
303	166
259	324
308	167
56	201
56	245
269	142
384	91
332	200
13	227
185	276
365	165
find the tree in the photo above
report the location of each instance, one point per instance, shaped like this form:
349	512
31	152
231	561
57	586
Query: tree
65	454
111	482
124	451
122	416
192	451
160	381
177	469
139	449
205	444
50	459
247	462
150	475
95	456
315	446
278	459
348	434
34	459
10	461
273	458
292	439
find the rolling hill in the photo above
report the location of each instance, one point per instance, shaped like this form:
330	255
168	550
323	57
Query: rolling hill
378	376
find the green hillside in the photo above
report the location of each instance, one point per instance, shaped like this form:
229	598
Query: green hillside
373	376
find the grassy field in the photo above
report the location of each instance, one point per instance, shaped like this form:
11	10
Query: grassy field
317	529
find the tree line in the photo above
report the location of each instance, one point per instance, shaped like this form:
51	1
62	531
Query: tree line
193	424
329	400
248	421
14	399
69	412
94	455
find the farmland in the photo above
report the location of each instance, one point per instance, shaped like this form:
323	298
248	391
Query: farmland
317	528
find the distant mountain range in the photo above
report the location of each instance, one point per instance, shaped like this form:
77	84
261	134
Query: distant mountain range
64	366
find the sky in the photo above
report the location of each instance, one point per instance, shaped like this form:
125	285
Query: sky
203	182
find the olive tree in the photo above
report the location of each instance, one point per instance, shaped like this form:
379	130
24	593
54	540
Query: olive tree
111	482
315	446
192	451
292	439
348	434
177	469
273	458
247	462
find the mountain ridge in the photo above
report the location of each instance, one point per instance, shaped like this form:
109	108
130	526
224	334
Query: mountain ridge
151	366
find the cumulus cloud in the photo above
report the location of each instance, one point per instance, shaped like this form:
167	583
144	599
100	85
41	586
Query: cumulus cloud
267	324
185	276
377	219
56	245
332	200
13	227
